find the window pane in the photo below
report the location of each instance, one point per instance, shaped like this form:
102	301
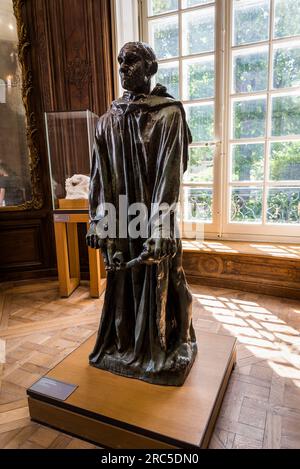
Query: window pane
251	70
286	115
285	161
199	31
249	118
284	205
201	165
246	205
287	18
251	21
201	121
164	37
199	78
248	162
286	66
191	3
168	75
198	204
162	6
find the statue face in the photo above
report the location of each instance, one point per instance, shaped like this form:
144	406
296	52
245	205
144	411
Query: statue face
133	69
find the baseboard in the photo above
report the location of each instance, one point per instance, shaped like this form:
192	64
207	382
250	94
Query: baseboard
263	273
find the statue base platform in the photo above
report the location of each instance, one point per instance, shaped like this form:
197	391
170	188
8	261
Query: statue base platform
116	412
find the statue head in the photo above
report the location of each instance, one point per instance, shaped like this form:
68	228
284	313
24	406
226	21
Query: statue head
138	64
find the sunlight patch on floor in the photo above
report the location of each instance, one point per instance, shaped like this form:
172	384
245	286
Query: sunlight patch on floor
267	336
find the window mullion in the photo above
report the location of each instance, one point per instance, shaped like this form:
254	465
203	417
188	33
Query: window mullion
219	109
180	9
269	115
227	116
283	183
276	41
295	90
180	34
247	184
180	84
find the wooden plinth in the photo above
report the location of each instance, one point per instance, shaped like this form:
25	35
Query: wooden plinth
73	204
117	412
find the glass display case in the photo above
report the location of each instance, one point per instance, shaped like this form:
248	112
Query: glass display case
70	137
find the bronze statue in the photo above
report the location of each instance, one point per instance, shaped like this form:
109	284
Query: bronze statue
141	151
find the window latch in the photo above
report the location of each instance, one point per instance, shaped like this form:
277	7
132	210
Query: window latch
213	144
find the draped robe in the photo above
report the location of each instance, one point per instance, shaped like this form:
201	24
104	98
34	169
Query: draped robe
141	151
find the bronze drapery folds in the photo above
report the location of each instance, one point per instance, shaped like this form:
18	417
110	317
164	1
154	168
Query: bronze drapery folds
141	151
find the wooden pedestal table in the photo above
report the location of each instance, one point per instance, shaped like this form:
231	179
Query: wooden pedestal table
66	218
117	412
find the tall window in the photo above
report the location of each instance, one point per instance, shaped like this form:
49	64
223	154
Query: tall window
235	64
264	107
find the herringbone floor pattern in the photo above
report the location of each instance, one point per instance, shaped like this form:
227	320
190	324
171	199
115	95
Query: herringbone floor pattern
261	408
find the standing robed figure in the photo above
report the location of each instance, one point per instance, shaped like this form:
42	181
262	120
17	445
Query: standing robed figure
141	152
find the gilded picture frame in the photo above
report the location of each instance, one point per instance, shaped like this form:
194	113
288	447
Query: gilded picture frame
24	47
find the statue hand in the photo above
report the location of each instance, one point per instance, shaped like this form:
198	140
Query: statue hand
93	240
156	249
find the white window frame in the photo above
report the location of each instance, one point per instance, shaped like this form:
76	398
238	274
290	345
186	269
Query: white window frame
125	24
221	227
210	230
253	231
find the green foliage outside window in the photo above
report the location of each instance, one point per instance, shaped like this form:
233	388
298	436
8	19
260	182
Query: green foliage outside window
201	122
162	6
169	77
286	67
284	206
249	118
246	205
251	24
251	72
285	161
286	116
287	18
248	162
200	205
201	80
201	163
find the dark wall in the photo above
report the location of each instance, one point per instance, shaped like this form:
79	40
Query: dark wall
71	55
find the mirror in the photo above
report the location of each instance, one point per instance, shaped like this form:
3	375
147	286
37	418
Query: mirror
17	150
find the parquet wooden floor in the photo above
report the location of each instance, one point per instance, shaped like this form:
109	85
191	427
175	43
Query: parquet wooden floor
261	408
